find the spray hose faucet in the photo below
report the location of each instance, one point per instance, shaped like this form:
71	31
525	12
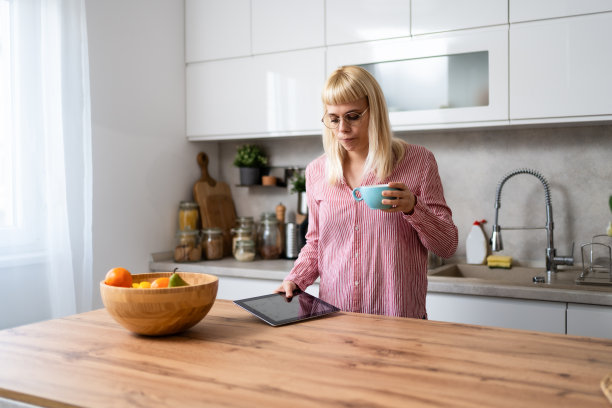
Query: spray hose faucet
552	260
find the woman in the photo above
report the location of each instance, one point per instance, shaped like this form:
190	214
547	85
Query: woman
370	261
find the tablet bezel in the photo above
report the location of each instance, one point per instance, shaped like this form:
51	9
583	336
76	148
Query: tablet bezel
329	308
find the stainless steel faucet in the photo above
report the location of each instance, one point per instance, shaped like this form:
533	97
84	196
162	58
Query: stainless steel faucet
552	260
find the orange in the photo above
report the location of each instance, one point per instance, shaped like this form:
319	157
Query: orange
160	283
119	277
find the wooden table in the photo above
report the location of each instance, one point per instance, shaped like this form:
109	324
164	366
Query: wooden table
232	359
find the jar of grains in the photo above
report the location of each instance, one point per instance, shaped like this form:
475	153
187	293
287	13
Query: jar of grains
245	250
212	243
188	216
187	247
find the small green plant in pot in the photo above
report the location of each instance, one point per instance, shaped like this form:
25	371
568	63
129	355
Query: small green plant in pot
252	161
298	185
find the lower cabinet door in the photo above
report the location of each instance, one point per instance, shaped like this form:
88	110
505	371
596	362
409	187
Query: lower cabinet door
589	320
499	312
232	288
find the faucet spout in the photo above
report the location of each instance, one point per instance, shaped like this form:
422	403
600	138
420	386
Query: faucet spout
552	260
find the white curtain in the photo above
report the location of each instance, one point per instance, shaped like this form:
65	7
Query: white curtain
46	191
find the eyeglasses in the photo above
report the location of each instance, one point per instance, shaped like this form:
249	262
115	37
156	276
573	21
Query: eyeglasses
352	118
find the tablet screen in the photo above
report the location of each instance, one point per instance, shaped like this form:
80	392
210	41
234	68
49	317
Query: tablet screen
276	310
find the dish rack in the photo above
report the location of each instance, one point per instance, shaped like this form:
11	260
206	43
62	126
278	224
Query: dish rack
596	261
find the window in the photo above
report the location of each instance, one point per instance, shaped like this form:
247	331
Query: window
7	176
20	163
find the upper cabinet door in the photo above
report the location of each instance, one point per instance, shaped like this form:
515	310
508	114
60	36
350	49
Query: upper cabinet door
430	16
217	29
561	68
282	25
525	10
348	21
260	96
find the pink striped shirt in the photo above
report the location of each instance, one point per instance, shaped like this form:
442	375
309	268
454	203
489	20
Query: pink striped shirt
371	261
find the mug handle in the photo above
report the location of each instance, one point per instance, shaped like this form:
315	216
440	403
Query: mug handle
355	194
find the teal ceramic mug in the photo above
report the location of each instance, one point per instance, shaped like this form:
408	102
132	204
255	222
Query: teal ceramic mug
372	195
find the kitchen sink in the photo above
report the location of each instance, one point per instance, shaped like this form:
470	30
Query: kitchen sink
483	272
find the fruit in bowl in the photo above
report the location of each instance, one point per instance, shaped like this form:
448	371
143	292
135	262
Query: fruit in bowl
161	311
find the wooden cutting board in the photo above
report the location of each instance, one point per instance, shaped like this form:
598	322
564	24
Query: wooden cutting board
216	204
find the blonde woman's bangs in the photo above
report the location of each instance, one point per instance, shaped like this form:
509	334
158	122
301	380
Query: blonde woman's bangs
341	88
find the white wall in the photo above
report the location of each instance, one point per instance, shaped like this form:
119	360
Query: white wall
142	164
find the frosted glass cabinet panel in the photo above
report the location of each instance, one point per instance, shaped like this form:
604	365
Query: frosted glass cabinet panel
561	68
415	84
525	10
437	79
430	16
260	96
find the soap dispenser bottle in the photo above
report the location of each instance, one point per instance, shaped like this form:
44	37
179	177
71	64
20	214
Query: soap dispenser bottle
476	246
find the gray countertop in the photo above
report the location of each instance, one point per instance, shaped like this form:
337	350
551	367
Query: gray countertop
513	283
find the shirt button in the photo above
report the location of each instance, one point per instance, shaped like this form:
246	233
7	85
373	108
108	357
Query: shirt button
356	228
356	254
356	283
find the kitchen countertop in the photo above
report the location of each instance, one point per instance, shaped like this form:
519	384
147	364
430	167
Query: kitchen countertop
563	289
233	359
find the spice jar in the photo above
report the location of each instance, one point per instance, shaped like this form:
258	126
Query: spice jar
188	216
187	247
245	250
212	243
269	238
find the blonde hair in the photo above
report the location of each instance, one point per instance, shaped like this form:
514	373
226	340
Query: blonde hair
348	84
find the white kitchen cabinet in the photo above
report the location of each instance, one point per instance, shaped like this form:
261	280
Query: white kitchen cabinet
441	80
589	320
500	312
260	96
561	69
283	25
430	16
233	288
525	10
348	21
217	29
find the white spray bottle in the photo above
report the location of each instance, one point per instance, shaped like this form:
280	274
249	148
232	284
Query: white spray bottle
476	246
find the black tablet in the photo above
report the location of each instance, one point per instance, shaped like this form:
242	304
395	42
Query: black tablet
276	310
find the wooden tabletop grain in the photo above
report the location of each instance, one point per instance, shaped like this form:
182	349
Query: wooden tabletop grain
232	359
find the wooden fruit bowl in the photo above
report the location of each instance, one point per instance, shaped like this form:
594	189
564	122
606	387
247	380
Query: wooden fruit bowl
158	312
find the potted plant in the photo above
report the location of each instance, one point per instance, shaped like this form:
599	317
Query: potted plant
298	185
250	159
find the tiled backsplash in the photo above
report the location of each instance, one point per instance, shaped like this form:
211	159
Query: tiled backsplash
577	161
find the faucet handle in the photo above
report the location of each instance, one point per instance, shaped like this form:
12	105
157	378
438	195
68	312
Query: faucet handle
566	260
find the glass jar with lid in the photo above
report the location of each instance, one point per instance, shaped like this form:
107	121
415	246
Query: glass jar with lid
187	247
188	216
212	243
241	234
269	239
245	250
247	223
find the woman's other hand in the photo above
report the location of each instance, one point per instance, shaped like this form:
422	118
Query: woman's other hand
405	201
287	287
